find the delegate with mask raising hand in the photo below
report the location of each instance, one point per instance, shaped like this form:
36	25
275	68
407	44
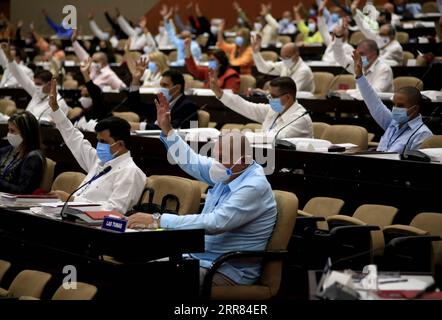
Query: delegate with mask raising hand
291	65
240	209
120	188
37	89
22	162
404	128
274	116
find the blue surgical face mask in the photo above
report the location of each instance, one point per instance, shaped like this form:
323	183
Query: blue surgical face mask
219	173
334	17
365	62
166	93
312	12
153	67
213	64
312	26
104	153
239	41
276	105
284	22
400	115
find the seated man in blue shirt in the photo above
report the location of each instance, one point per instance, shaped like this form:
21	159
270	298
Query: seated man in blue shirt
404	128
240	209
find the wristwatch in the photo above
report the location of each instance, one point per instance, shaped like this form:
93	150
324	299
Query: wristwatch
156	220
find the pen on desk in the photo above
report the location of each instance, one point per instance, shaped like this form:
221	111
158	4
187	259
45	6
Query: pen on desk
393	281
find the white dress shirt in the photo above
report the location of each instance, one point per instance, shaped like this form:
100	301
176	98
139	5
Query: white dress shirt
102	35
119	189
300	72
328	55
270	31
138	39
103	77
379	75
39	104
392	53
8	80
272	121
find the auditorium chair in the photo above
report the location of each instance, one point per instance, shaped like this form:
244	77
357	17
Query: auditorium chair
83	291
269	55
203	119
68	181
417	247
247	81
432	142
253	126
128	116
319	128
368	214
232	126
430	7
356	37
172	56
270	280
283	39
321	207
342	82
407	56
400	82
7	107
347	134
27	283
322	83
402	37
48	175
175	194
4	267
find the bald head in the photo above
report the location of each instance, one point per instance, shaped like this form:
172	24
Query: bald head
186	34
389	7
289	50
232	145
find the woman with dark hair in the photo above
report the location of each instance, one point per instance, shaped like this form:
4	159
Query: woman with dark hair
22	163
228	78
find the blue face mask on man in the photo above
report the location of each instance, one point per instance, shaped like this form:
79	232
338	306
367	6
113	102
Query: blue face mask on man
276	104
104	153
239	41
365	62
400	115
166	93
213	64
152	67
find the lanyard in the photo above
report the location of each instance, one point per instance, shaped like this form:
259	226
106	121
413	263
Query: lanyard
10	165
274	122
90	182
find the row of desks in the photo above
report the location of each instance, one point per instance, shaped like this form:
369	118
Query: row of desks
411	186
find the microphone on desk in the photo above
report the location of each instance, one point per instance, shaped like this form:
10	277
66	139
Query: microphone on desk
281	142
65	210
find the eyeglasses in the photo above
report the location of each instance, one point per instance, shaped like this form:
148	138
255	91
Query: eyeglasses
270	97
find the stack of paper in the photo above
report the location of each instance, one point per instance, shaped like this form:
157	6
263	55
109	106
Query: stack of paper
54	208
434	153
26	199
433	95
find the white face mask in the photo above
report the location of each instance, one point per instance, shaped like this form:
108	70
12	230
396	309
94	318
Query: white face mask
384	40
39	91
95	66
214	29
14	140
86	102
219	173
258	26
161	30
287	62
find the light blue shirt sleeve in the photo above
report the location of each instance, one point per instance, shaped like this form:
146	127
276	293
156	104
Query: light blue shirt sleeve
237	211
379	111
196	50
192	163
171	33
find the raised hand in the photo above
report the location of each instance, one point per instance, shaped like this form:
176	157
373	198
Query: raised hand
163	114
32	27
297	7
321	8
264	9
213	80
187	47
139	69
236	6
7	50
91	15
256	43
44	12
117	12
169	14
53	95
85	66
163	10
357	64
189	6
20	24
74	35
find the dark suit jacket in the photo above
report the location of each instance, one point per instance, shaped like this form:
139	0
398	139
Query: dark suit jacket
183	111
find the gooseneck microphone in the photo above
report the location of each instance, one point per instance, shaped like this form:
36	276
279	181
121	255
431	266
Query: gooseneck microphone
285	126
65	211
